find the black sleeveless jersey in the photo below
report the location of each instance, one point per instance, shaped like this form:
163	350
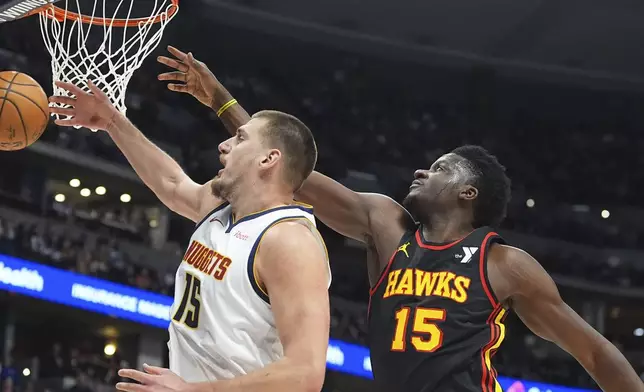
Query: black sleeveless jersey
434	322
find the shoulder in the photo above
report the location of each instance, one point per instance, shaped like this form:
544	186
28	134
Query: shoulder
208	203
289	249
514	271
382	207
288	230
380	200
506	254
214	210
288	236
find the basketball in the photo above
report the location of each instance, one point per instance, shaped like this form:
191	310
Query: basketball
24	110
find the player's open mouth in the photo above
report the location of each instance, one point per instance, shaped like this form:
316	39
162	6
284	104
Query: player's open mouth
415	183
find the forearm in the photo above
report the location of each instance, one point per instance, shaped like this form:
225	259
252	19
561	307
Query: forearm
156	168
284	375
235	116
612	372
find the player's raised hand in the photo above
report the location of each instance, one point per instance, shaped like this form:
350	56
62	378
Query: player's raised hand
190	76
91	110
154	379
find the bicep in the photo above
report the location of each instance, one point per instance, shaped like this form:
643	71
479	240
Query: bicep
540	306
337	206
557	322
294	270
345	211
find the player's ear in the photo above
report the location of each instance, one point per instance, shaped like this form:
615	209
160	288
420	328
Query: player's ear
271	158
469	192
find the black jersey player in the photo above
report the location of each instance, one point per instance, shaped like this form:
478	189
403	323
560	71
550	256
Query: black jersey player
440	287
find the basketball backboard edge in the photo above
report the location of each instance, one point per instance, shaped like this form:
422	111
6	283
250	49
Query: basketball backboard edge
11	10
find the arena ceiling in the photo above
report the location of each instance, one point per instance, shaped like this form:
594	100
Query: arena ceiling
601	37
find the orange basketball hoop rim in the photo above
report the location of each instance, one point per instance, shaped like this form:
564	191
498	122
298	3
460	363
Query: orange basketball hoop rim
53	12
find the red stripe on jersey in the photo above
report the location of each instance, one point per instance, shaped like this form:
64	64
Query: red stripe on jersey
487	378
372	291
483	272
419	240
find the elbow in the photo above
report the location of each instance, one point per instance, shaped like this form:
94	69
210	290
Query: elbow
600	349
590	360
312	377
315	382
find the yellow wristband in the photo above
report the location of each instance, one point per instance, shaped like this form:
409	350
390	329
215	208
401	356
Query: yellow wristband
226	106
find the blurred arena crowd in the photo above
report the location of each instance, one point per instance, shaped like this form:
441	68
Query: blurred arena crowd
569	155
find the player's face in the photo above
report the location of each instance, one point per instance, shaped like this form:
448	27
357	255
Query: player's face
241	156
441	186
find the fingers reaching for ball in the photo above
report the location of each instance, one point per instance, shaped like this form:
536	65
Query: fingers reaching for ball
71	122
178	76
87	106
63	111
63	100
75	90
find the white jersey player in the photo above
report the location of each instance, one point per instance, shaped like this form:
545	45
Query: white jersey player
251	309
223	250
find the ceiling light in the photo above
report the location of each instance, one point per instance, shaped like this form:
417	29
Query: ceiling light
110	349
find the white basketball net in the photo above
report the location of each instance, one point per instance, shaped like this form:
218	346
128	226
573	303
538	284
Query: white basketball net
82	52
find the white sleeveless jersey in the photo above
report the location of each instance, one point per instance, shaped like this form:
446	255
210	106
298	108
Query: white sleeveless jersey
222	325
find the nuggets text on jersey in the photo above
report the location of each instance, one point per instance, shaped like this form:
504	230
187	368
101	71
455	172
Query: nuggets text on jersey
207	260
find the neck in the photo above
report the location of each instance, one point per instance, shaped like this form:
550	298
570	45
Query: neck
442	228
258	198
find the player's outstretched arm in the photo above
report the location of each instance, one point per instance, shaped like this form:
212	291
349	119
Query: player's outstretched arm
355	215
157	169
191	76
536	300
